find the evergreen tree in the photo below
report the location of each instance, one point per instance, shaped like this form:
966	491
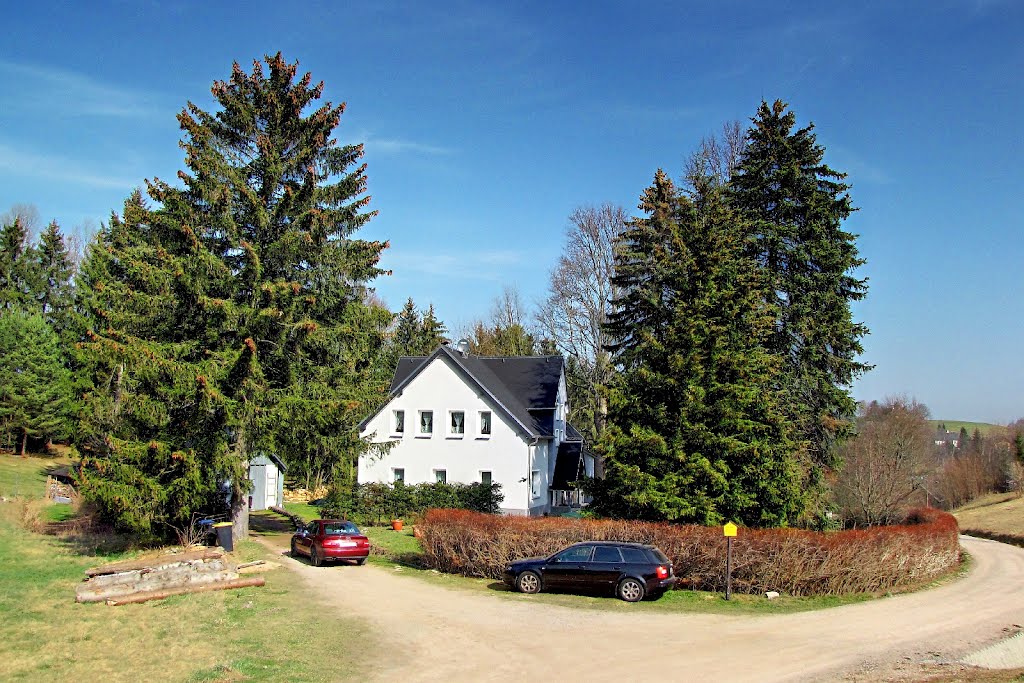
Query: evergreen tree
432	332
795	206
233	317
18	272
35	386
406	338
502	340
54	295
696	432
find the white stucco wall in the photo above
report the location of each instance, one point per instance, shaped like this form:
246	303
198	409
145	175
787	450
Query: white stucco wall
509	456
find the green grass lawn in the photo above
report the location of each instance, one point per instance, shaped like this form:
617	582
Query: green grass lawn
26	476
251	634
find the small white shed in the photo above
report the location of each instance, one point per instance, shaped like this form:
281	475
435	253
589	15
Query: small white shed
266	472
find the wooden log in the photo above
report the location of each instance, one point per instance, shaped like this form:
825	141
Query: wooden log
153	562
160	595
113	586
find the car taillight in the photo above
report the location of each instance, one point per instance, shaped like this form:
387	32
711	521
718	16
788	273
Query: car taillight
661	572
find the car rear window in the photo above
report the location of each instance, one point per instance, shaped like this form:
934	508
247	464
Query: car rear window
634	555
340	529
606	553
658	556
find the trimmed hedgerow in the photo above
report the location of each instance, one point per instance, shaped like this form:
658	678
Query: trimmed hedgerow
790	561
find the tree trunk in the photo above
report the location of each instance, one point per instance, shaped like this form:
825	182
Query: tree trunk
239	499
24	443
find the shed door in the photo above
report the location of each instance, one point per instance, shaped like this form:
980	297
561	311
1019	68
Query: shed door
272	475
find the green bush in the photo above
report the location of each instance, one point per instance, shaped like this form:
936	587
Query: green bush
375	503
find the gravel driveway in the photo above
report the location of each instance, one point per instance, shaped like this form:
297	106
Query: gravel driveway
444	634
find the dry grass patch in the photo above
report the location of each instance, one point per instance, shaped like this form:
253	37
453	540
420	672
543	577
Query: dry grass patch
997	515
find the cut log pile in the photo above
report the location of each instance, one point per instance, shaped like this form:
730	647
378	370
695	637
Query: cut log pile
161	577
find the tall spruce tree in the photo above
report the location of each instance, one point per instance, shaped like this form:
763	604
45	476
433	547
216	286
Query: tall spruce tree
696	432
19	278
35	386
232	317
432	331
795	205
54	296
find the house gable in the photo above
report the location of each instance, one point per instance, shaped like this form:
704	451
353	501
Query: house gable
439	401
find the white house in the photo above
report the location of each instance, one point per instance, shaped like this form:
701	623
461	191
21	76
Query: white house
454	417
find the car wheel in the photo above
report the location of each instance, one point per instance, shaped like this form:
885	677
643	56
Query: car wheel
528	582
631	590
314	557
361	561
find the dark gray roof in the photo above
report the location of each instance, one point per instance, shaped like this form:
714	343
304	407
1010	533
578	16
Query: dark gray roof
572	434
524	387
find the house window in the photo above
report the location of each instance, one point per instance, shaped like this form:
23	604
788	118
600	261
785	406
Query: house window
485	478
441	476
398	475
485	423
426	422
398	424
457	423
535	483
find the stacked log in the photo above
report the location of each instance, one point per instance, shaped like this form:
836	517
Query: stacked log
161	577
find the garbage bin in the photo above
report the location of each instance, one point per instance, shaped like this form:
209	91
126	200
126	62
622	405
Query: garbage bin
224	538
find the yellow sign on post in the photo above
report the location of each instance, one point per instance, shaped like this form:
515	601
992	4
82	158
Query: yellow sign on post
729	529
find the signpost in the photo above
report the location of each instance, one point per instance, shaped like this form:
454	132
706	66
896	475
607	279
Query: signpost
729	531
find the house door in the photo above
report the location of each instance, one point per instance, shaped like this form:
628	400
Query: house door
272	475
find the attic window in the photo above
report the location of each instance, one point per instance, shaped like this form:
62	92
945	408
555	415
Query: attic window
398	425
485	423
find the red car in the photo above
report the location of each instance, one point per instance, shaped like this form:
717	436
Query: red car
330	539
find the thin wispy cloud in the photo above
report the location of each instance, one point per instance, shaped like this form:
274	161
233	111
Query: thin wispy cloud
69	93
489	265
56	168
395	147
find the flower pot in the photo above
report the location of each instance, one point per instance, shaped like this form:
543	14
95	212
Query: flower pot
396	524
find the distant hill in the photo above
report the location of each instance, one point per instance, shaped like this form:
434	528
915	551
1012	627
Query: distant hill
985	428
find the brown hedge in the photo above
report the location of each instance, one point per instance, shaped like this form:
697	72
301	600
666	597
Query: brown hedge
790	561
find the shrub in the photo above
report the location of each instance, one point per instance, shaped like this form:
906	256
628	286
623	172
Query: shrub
375	502
791	561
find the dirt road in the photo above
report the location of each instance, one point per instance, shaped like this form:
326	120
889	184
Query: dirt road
454	635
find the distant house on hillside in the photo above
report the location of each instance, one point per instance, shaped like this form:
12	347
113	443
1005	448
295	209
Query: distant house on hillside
454	417
944	437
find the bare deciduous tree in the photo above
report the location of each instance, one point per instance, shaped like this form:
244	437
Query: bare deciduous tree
578	304
886	462
716	158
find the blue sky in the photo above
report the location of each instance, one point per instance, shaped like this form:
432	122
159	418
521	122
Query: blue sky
487	124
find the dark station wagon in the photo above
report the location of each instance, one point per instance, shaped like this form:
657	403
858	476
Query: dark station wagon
631	571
